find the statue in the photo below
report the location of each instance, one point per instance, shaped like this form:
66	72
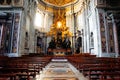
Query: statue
68	43
64	43
79	45
59	42
59	39
52	43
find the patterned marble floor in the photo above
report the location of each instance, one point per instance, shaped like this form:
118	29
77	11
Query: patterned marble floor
60	70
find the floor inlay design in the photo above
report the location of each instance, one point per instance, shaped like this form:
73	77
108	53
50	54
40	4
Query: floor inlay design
59	65
72	78
57	70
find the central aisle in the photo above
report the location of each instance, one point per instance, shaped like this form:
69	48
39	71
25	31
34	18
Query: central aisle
60	70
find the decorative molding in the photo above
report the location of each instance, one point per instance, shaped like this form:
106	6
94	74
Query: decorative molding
100	3
18	3
12	3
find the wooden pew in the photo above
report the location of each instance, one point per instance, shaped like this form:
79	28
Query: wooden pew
3	60
24	66
4	78
93	67
97	69
110	76
8	76
95	73
13	71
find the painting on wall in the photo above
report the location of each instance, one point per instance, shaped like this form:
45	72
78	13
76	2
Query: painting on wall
39	44
102	30
5	31
111	46
15	32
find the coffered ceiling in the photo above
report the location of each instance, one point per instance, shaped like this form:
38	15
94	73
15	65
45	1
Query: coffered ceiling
59	3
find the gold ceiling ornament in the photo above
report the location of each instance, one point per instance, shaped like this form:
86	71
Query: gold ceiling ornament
59	2
59	25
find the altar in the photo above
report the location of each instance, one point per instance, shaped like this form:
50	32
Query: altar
60	43
59	52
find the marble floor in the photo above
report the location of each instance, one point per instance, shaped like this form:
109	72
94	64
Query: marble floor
60	70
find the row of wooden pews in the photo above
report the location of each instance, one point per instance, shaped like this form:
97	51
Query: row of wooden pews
97	68
17	68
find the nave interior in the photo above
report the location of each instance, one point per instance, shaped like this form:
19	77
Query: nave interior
59	39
